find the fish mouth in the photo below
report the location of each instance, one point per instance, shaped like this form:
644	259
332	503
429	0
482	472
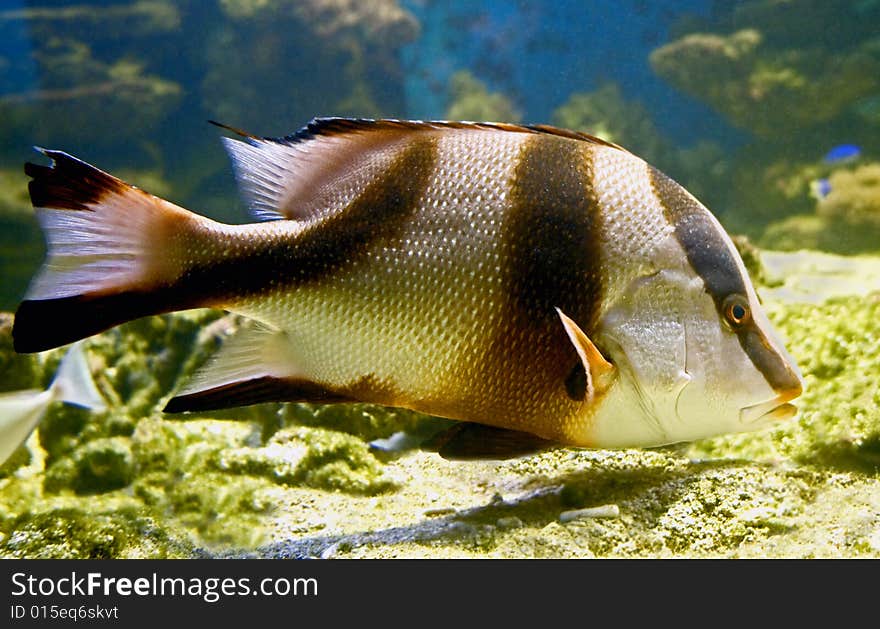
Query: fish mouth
776	409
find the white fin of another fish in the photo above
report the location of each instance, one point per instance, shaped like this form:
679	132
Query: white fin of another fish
21	411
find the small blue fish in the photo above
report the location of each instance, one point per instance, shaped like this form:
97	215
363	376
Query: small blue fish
21	411
820	188
842	153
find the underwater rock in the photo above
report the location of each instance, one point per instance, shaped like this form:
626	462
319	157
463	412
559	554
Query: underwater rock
768	82
77	88
470	99
312	457
103	465
109	21
17	371
21	243
846	219
71	533
854	199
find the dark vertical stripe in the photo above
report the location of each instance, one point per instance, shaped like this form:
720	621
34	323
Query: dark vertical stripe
378	213
552	233
701	240
714	261
552	243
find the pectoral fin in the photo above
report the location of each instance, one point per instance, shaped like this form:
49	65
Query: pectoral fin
467	441
598	371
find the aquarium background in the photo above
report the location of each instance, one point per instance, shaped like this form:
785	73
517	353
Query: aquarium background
767	110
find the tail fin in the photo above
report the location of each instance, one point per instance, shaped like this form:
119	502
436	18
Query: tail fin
110	252
73	382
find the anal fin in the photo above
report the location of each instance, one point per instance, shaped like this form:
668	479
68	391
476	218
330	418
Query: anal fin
254	391
255	365
468	441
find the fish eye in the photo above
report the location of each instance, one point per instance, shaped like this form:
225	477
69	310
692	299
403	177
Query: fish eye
736	310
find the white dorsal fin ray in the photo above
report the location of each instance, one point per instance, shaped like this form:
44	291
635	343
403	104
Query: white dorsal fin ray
321	168
309	175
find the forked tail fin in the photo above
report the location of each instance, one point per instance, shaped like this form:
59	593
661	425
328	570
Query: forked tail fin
73	382
115	253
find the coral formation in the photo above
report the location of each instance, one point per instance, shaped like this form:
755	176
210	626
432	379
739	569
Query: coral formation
766	75
846	220
349	46
854	199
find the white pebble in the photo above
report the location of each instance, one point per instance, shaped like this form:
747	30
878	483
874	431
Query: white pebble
605	511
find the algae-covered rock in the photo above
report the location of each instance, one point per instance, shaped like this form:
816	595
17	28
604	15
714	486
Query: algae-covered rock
70	533
846	220
17	371
854	201
765	75
367	421
470	99
312	457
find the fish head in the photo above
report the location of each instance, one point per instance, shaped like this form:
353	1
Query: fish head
694	351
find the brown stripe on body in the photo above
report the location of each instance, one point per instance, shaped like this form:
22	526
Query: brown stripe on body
551	246
378	213
713	260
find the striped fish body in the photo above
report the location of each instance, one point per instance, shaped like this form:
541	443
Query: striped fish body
481	272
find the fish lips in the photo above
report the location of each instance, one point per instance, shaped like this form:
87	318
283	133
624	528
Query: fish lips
774	410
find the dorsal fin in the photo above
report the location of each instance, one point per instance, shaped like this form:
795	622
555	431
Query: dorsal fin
319	169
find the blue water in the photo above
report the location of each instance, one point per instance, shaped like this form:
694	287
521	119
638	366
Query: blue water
542	52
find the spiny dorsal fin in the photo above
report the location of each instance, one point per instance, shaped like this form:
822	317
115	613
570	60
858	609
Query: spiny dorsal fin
319	169
337	126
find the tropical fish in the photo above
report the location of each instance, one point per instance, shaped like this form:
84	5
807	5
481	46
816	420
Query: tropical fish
21	411
541	285
842	154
